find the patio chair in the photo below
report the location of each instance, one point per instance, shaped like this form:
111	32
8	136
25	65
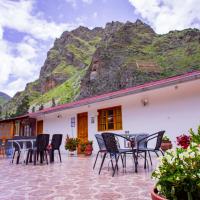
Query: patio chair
102	147
55	145
17	146
142	146
40	148
113	149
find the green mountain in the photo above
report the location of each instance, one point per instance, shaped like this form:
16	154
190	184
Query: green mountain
4	98
86	62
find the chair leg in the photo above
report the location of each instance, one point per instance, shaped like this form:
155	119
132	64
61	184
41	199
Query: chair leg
150	157
125	159
18	156
104	156
96	160
27	158
122	161
111	162
13	156
162	152
116	161
116	165
156	153
41	157
59	155
136	160
45	152
31	154
145	160
35	154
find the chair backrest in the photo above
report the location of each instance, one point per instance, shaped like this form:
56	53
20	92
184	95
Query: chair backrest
17	143
110	142
159	139
46	138
100	142
56	141
157	136
142	143
29	143
42	141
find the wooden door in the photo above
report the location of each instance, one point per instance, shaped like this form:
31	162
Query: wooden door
39	127
82	127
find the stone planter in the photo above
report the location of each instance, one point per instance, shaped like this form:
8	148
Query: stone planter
155	196
165	145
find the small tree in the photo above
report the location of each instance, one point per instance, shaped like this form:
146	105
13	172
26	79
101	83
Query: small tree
0	112
41	107
33	109
53	102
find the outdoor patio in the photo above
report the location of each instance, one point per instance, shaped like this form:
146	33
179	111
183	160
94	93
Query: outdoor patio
73	179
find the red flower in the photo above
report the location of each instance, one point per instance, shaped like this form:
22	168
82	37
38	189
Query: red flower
183	141
49	147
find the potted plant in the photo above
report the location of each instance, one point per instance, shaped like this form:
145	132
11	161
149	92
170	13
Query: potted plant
178	174
166	143
82	147
89	148
71	144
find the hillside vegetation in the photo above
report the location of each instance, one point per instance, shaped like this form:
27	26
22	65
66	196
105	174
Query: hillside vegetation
86	62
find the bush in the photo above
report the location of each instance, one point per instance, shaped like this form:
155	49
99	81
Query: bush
178	173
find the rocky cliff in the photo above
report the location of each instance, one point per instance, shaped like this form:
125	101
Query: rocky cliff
87	62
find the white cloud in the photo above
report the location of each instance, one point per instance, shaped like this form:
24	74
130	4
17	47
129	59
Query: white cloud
21	62
87	1
95	14
18	16
166	15
81	20
75	3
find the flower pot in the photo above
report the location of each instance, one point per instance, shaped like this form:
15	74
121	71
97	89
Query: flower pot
155	196
72	152
165	145
88	150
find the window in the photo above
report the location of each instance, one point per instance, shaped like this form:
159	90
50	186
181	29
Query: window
110	119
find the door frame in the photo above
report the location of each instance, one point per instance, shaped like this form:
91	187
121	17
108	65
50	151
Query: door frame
39	121
78	120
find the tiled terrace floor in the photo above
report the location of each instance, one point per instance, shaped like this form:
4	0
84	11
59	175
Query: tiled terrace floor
73	179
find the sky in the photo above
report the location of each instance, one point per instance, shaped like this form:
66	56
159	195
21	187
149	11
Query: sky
28	28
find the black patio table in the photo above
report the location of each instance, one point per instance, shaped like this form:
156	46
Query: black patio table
23	148
132	144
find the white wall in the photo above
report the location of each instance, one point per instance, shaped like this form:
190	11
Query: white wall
175	110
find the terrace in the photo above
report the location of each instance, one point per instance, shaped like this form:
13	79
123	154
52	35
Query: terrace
73	179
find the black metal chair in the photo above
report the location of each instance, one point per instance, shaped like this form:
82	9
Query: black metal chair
17	146
142	146
55	145
40	148
102	147
115	152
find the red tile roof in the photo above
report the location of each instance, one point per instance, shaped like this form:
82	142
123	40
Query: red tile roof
132	90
